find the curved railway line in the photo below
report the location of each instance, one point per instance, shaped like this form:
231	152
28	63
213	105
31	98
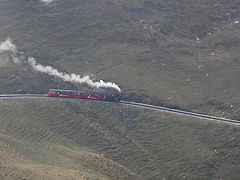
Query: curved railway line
148	106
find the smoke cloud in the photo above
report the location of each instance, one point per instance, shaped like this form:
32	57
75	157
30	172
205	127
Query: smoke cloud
8	46
70	77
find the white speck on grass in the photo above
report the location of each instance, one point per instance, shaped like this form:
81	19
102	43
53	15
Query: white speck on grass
47	1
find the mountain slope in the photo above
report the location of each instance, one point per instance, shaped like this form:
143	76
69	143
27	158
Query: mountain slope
64	138
182	54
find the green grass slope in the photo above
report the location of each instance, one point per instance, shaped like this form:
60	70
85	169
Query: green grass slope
178	53
55	138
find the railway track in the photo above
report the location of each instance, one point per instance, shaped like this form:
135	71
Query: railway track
148	106
180	112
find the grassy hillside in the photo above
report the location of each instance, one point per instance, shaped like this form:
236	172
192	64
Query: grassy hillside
178	53
182	54
77	139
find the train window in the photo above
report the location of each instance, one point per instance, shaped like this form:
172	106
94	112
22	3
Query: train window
101	94
97	94
82	93
72	92
63	92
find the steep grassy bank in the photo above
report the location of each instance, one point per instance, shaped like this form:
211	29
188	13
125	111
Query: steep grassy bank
183	54
74	139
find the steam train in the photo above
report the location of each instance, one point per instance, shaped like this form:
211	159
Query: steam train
107	95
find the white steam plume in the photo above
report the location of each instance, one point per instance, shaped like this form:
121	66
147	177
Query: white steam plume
10	47
70	77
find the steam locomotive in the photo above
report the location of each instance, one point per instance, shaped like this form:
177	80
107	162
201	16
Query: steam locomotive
107	95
